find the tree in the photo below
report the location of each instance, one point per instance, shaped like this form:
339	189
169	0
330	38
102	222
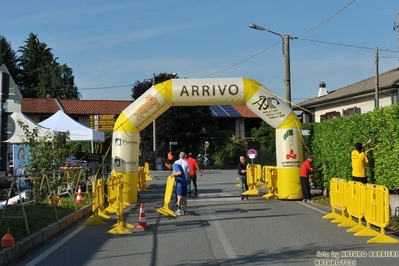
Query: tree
9	57
47	153
234	148
42	75
266	136
176	124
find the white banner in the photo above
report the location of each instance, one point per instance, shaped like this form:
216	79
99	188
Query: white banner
269	107
146	108
125	147
207	92
290	152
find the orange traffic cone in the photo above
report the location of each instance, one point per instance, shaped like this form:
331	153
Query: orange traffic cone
79	199
7	241
142	222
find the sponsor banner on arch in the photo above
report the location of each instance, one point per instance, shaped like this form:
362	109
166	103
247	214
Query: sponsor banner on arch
124	149
290	154
269	107
188	92
146	108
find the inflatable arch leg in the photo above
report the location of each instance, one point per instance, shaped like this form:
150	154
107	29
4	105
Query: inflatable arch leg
208	92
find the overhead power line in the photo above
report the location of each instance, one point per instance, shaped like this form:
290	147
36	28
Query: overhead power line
108	87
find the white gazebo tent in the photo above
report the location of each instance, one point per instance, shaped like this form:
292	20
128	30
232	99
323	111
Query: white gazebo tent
19	133
20	151
77	132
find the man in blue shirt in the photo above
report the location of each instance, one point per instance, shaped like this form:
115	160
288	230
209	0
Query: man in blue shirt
181	186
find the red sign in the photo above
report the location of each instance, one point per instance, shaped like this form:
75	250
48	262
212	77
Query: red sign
252	153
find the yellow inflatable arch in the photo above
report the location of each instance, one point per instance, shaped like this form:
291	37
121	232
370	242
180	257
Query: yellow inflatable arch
208	92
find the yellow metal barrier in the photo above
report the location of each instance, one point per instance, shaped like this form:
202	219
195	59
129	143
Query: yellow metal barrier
270	173
164	210
142	184
252	175
97	204
264	176
338	197
355	206
376	213
260	180
112	193
147	171
121	226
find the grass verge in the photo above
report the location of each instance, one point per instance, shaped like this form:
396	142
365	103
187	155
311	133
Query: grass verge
37	216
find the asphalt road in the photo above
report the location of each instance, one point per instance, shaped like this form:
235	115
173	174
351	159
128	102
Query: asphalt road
219	230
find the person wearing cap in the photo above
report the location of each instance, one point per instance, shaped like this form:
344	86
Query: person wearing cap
359	162
306	170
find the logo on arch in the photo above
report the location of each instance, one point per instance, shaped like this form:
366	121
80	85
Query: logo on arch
289	136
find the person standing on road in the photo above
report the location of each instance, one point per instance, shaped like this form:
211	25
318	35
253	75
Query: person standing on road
184	165
306	169
181	186
170	156
242	173
192	176
359	161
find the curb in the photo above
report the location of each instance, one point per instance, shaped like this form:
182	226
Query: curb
9	255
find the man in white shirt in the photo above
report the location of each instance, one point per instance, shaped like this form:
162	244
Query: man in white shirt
186	167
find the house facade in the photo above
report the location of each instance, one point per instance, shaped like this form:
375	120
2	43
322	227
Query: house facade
358	98
101	114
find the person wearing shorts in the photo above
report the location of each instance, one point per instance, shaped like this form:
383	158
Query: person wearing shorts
181	186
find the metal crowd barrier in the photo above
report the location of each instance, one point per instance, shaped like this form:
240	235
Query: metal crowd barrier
165	210
97	206
142	177
355	200
270	173
112	192
121	227
253	174
147	171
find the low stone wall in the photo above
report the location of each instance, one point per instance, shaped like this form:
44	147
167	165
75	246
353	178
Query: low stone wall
393	204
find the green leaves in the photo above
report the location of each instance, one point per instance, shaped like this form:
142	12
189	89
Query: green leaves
46	154
334	140
234	148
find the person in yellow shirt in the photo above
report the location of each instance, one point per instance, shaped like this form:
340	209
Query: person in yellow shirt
359	162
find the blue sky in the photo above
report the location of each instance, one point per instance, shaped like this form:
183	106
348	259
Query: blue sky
113	44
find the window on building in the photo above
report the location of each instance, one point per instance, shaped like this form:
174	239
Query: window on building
330	115
307	118
352	111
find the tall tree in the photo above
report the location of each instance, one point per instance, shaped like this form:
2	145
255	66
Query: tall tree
266	136
189	126
42	75
9	57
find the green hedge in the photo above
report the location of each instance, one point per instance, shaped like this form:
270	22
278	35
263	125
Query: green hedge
332	142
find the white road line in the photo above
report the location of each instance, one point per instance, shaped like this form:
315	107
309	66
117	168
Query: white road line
225	242
55	247
311	207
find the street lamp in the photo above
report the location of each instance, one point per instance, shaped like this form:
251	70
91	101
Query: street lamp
286	53
206	146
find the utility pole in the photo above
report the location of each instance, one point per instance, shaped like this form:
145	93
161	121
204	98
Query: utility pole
286	53
377	81
154	133
4	87
396	28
